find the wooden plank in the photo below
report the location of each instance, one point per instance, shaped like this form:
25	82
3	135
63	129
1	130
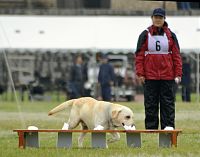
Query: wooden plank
120	131
131	133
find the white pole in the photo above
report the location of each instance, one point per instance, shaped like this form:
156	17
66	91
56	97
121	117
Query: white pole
11	78
197	78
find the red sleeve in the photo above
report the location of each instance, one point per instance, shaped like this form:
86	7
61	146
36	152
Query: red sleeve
139	63
140	54
176	58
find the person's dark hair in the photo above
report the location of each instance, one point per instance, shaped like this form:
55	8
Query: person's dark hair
104	56
185	59
77	56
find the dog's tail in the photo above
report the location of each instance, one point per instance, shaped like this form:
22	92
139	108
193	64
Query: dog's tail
61	107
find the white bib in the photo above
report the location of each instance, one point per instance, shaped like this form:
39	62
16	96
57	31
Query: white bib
157	44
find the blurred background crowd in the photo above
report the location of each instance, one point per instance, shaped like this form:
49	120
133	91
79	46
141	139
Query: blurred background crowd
37	71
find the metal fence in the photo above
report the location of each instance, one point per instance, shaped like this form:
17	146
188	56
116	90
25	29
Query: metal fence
92	12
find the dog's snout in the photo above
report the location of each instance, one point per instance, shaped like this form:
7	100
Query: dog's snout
123	124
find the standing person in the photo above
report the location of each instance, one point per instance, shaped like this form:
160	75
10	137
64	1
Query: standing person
158	65
185	82
106	78
78	76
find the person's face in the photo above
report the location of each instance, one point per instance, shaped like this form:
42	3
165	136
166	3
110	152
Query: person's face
158	21
79	60
104	60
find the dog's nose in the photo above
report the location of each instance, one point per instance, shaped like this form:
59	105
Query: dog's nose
123	124
132	125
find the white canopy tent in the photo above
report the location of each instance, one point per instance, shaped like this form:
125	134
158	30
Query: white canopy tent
92	32
99	32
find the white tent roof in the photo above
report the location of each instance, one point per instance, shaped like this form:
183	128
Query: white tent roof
89	32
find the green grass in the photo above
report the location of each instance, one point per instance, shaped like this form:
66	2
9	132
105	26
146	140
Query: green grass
35	113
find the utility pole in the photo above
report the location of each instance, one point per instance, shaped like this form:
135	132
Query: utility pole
164	5
29	4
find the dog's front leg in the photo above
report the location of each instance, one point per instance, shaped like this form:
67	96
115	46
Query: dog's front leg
115	137
99	127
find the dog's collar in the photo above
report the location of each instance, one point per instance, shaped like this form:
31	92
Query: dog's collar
111	124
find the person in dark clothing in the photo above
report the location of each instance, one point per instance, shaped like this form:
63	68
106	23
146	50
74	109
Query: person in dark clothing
78	76
158	66
183	5
106	78
185	82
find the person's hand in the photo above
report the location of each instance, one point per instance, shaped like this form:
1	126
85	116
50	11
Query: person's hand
177	79
111	83
141	79
99	98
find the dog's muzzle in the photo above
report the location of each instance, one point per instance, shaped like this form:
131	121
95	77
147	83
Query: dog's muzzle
131	125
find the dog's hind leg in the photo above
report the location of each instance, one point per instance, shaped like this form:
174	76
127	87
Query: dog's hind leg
70	125
115	137
73	124
82	135
80	139
74	120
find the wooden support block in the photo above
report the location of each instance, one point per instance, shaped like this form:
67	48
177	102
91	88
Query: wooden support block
174	139
31	139
98	139
133	139
64	139
21	140
165	139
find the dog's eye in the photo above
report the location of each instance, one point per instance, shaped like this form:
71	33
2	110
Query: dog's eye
128	117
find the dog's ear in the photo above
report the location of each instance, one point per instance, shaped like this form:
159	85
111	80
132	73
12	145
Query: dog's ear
116	112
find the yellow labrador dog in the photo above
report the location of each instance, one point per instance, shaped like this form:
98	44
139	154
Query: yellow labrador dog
97	115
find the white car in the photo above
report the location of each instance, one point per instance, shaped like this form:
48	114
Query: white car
122	89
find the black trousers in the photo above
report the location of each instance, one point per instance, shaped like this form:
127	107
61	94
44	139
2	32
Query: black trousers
186	93
159	94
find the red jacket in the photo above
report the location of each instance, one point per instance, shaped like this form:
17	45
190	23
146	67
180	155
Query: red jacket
158	66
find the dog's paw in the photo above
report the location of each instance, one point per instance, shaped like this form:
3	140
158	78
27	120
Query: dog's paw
80	145
99	127
65	126
110	140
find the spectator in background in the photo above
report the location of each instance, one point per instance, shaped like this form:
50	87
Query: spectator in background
2	89
78	76
186	80
183	5
106	78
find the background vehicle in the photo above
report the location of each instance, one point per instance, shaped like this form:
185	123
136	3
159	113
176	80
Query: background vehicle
123	88
124	84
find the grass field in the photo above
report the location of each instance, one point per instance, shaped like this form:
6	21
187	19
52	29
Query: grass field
35	113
